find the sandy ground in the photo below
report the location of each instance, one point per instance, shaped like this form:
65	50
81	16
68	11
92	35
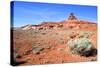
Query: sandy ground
50	46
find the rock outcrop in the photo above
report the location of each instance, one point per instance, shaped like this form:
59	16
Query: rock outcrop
71	22
72	17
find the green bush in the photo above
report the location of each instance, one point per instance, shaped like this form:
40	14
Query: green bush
79	45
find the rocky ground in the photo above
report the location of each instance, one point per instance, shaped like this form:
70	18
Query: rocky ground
50	46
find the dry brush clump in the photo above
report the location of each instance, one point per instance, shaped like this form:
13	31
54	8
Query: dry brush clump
36	49
79	44
82	46
84	34
16	56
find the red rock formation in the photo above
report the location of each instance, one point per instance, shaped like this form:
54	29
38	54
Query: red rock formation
72	22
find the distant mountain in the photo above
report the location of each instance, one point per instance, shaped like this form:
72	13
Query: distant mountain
71	22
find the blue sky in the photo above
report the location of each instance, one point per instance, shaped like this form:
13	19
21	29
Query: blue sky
35	12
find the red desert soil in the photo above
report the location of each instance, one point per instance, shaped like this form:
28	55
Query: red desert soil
47	43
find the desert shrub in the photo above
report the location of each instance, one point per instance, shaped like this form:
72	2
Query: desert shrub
60	25
85	34
36	49
43	33
56	33
62	41
18	56
14	61
72	34
49	47
80	45
28	52
15	53
92	52
41	28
